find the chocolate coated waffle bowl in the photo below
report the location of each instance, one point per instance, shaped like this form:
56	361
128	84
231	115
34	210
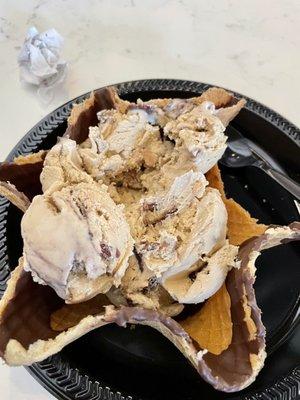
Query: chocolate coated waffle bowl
283	324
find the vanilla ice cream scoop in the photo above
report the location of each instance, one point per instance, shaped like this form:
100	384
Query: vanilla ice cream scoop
77	241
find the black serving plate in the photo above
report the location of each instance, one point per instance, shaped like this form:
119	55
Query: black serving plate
114	363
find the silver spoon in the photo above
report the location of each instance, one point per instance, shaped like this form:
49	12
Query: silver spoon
241	152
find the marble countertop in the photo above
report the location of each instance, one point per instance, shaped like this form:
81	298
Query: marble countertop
250	47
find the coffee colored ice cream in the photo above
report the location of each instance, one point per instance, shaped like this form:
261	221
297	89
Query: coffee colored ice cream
76	240
140	169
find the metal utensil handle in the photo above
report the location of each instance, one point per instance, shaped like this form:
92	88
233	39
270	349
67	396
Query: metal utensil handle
289	184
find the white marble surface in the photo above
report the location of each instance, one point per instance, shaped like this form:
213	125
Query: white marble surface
251	47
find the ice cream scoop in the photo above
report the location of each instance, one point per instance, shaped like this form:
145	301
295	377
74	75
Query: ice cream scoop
76	240
217	101
201	134
175	234
204	278
119	143
140	287
181	193
63	165
174	243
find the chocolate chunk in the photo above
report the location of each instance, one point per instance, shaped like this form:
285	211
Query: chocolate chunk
147	246
138	259
173	210
153	283
193	275
81	207
149	206
106	251
161	134
78	266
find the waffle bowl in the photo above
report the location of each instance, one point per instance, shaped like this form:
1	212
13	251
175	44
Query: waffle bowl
205	362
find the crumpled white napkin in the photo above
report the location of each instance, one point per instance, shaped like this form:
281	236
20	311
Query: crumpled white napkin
40	61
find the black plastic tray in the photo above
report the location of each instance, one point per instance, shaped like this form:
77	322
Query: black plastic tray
116	363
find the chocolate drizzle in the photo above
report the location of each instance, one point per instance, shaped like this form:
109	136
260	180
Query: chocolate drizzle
138	315
232	370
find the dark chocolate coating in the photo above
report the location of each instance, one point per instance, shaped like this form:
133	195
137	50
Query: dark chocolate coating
103	100
25	177
26	317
